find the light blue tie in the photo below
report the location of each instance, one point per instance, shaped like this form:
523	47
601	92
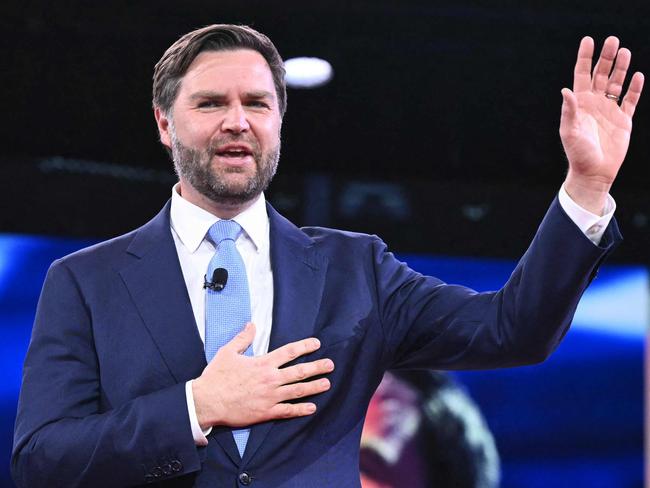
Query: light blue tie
228	310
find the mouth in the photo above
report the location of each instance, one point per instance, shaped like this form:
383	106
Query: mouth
235	153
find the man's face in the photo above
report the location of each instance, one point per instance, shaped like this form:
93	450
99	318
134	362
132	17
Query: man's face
224	130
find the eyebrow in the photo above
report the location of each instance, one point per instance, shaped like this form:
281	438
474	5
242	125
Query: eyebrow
259	94
256	94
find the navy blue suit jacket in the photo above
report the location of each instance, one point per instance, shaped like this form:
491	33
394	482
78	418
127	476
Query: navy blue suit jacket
114	341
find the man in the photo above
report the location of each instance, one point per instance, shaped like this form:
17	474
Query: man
119	388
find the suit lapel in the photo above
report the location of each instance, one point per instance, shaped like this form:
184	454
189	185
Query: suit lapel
298	279
156	285
157	288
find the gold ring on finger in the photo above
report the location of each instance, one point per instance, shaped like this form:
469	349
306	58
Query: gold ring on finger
611	96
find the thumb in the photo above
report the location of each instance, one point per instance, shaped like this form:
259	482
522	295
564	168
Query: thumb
569	104
241	341
569	117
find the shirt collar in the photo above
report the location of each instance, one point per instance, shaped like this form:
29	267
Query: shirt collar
191	223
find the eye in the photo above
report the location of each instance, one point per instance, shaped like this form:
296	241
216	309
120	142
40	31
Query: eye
258	104
209	104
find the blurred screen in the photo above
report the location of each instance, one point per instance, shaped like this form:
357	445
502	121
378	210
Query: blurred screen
576	419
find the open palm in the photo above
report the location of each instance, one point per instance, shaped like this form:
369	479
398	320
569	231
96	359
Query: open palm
595	130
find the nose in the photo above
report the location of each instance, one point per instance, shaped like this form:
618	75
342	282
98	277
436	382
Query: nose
235	119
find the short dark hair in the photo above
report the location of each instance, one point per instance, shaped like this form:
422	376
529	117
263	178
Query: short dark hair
171	68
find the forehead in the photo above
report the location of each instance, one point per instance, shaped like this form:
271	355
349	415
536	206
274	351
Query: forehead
240	69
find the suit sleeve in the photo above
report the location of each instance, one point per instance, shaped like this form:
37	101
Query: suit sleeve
430	324
64	436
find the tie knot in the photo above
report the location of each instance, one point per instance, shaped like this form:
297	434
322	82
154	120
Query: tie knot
224	229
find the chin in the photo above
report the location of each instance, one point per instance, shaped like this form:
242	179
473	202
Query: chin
232	194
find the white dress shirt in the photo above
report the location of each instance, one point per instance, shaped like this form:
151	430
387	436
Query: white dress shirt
592	225
189	227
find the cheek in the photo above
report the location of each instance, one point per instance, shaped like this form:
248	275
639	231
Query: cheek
196	133
267	132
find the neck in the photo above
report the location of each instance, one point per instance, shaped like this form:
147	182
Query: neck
223	210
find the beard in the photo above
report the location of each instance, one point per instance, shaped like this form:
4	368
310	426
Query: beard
195	167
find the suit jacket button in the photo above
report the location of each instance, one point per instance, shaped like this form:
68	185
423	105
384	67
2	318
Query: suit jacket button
245	478
176	465
157	472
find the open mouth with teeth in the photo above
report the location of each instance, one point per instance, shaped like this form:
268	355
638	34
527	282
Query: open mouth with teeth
234	152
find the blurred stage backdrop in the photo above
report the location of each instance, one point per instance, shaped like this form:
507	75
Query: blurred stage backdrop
437	131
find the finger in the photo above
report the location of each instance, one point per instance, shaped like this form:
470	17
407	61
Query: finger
290	410
617	78
582	70
303	371
569	109
241	341
291	351
604	64
633	94
303	389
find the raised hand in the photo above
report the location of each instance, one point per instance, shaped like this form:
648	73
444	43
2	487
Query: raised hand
237	390
594	128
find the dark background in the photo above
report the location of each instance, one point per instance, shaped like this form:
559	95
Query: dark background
439	131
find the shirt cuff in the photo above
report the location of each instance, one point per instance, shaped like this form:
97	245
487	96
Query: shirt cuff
592	225
199	434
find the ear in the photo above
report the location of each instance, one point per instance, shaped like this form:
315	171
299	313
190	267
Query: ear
163	127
